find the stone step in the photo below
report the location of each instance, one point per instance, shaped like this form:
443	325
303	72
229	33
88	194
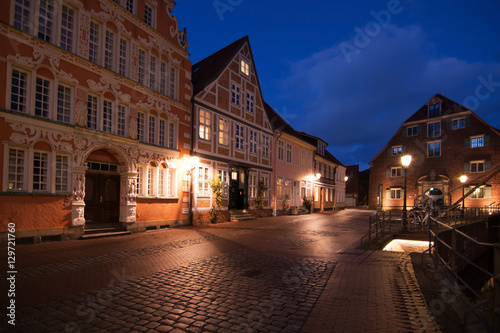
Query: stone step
105	234
240	215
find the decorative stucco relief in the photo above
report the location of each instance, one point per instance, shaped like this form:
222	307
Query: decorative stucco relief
27	135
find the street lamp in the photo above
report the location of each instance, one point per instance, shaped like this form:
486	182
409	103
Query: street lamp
405	161
463	179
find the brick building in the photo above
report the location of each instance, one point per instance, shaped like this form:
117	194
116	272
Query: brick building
446	141
95	116
232	137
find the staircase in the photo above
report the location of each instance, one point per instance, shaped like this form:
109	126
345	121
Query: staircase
100	230
240	215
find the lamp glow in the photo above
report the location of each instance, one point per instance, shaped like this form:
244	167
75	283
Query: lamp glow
406	160
463	179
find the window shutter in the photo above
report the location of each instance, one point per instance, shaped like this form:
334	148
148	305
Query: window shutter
403	149
467	142
419	129
405	131
466	167
449	124
388	194
487	192
389	151
467	122
487	140
388	172
487	165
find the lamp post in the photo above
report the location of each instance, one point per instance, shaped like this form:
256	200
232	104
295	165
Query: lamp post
405	161
463	179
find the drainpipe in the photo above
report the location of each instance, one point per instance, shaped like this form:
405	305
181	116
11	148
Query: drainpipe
274	171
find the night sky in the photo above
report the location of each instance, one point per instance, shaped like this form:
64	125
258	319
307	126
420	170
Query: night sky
351	72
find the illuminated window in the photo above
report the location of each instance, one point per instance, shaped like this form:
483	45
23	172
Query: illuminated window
245	68
477	141
279	188
203	182
252	185
204	125
223	132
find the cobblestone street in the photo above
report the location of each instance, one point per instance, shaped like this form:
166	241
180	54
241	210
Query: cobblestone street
283	274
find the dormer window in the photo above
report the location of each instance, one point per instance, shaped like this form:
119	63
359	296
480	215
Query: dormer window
321	148
245	67
434	110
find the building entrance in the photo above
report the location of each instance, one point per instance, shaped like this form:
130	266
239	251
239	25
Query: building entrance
102	197
238	188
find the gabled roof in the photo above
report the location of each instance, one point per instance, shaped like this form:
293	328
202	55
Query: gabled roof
448	107
207	70
278	123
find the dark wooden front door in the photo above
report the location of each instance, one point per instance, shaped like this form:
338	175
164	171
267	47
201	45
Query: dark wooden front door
102	198
238	189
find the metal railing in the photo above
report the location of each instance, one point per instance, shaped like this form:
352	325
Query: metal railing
454	250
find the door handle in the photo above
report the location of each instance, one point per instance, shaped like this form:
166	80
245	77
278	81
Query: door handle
100	199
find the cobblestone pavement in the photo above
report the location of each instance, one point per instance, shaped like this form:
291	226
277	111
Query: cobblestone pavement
284	274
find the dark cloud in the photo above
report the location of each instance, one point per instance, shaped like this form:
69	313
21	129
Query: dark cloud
357	103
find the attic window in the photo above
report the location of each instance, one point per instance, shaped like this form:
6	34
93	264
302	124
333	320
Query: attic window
245	67
434	110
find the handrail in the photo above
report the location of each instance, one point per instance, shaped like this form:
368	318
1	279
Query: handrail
452	266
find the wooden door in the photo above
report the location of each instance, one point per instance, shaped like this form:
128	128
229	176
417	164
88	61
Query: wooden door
102	198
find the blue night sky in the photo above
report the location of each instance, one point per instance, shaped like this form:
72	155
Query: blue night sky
351	72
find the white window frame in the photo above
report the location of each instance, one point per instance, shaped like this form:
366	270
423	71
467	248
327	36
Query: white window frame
265	179
245	67
19	93
239	137
151	19
121	118
396	171
458	123
252	185
235	94
223	131
141	126
477	141
64	104
477	166
43	173
281	150
397	150
289	153
434	129
46	31
93	112
224	177
94	41
107	116
395	193
67	27
204	125
253	141
433	149
250	103
44	98
152	121
203	178
16	170
265	145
